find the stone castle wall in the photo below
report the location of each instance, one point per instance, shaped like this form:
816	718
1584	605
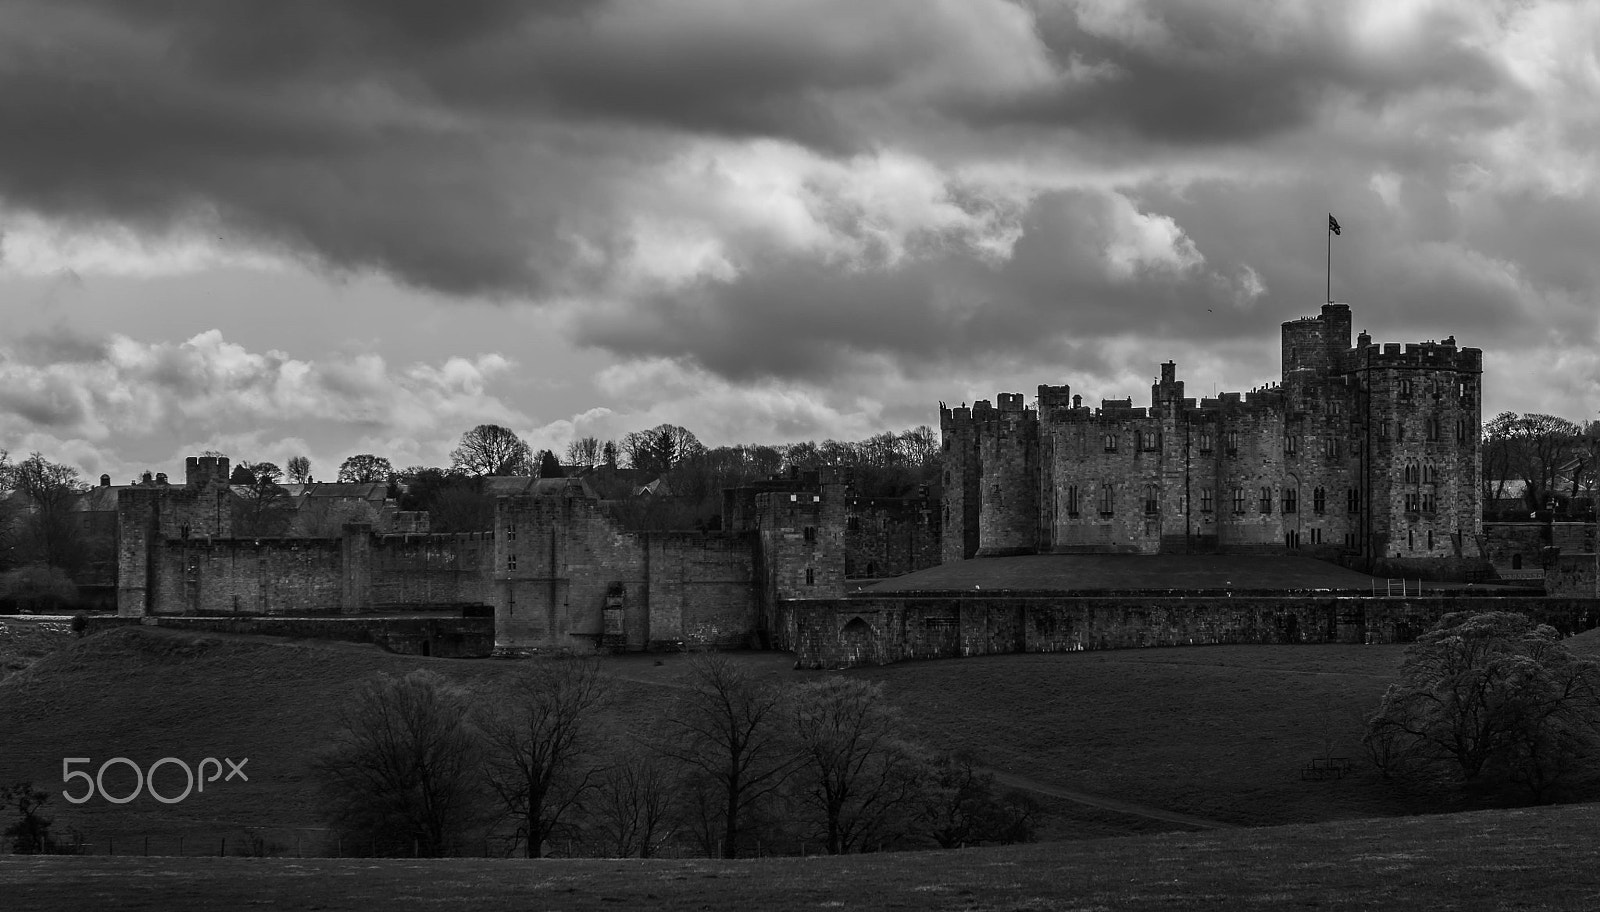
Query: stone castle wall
1366	449
890	538
850	632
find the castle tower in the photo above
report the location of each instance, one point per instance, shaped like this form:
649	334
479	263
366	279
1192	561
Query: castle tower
1008	454
959	525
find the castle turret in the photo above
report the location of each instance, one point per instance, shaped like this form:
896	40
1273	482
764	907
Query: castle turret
1008	451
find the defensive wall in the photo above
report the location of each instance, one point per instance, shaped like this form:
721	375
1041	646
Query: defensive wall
443	636
860	631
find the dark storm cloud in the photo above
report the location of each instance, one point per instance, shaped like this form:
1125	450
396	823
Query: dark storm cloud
59	344
1197	73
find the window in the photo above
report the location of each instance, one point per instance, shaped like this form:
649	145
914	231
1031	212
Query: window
811	577
1352	500
1205	441
1291	500
1412	504
1232	441
1319	501
1238	500
1405	389
1431	427
1330	447
1266	500
1461	431
811	533
1105	500
1430	473
511	562
1383	430
1291	444
1205	500
1316	536
1150	441
794	498
1411	472
511	531
1151	499
1072	500
1335	407
1111	443
1430	539
1428	505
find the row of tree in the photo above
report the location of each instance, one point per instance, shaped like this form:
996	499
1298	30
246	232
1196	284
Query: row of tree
423	765
1555	460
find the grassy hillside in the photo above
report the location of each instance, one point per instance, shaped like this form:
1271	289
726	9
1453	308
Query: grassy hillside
1536	859
1216	732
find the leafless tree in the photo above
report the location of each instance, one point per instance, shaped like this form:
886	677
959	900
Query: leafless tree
634	805
657	450
48	491
402	773
728	728
263	506
858	776
490	449
540	732
299	470
586	451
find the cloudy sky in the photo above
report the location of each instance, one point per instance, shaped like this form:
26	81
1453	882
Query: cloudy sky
327	227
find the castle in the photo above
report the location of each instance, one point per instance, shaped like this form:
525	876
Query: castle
1363	451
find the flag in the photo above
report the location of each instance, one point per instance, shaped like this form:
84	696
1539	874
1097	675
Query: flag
1333	223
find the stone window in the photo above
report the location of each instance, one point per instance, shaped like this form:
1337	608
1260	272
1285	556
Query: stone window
794	498
1405	389
1151	441
1205	500
1072	500
1232	442
1428	505
1238	500
1205	441
1291	500
1432	426
1319	501
1266	499
1412	502
1316	536
1383	430
811	576
1335	407
1430	473
1111	443
1412	476
1152	501
811	533
1461	431
1352	500
1430	539
1291	444
511	531
511	562
1106	500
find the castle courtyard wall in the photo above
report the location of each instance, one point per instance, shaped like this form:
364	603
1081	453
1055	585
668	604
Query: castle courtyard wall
856	631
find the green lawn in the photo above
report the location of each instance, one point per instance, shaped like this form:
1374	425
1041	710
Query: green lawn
1218	732
1535	859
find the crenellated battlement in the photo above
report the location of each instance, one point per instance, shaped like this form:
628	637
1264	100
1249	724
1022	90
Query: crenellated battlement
1301	463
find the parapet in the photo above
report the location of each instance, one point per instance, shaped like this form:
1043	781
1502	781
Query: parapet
202	470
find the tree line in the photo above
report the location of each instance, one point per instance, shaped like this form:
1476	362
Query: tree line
735	765
1555	460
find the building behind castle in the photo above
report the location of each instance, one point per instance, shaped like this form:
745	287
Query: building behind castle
1361	451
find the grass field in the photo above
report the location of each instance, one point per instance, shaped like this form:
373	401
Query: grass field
1218	732
1536	859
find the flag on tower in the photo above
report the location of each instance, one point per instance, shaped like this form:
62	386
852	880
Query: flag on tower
1333	223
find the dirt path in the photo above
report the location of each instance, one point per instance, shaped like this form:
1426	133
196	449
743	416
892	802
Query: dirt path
1104	803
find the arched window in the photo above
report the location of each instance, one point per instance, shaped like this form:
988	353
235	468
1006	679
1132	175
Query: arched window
1151	499
1106	501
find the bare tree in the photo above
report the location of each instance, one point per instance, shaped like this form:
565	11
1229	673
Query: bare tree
365	468
299	470
858	775
657	450
263	506
49	533
401	775
585	451
490	449
634	805
729	728
540	732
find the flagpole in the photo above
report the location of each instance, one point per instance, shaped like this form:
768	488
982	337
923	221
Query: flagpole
1329	232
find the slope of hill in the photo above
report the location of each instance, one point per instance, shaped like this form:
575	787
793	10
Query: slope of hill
1530	859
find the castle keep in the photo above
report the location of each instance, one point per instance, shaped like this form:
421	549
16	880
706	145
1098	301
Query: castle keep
1362	450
